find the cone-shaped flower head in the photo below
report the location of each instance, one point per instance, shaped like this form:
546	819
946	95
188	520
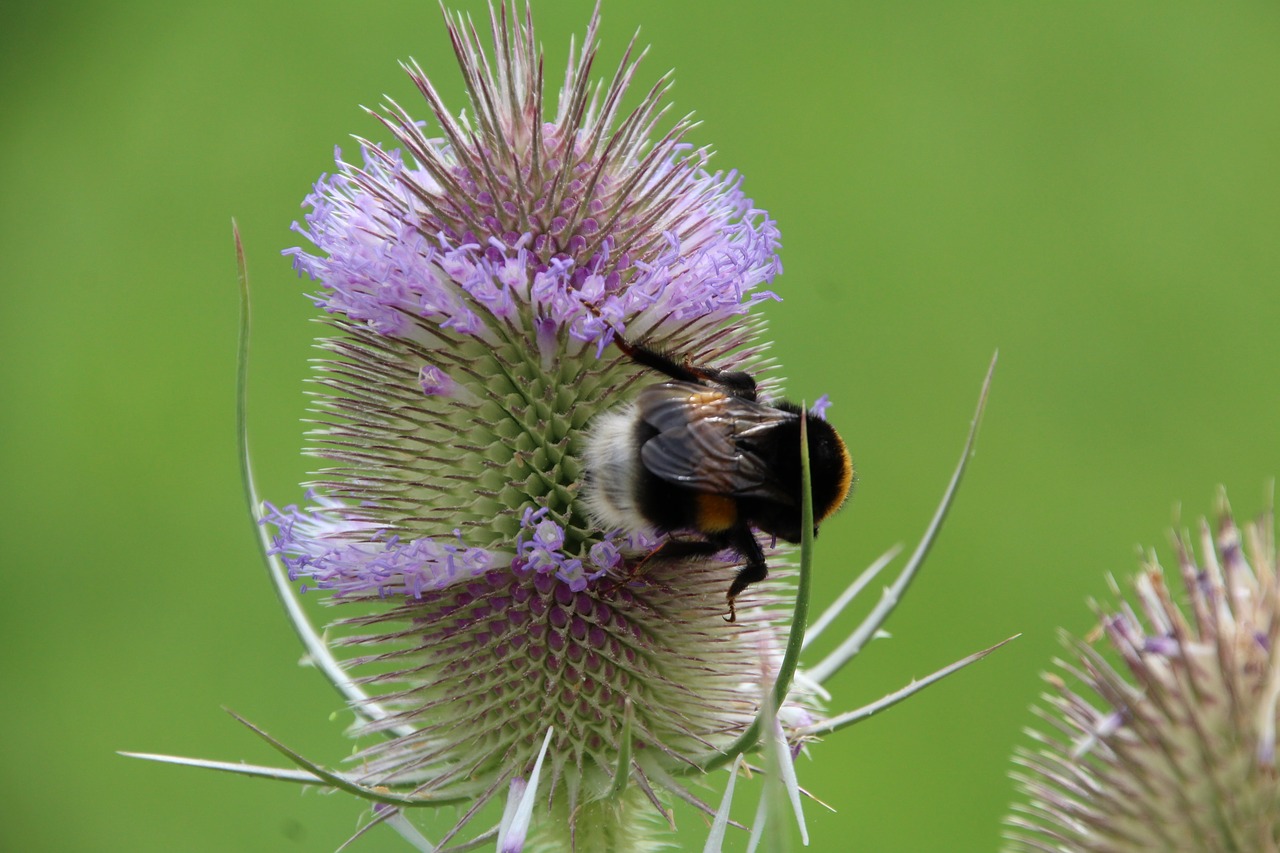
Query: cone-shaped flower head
474	276
1174	748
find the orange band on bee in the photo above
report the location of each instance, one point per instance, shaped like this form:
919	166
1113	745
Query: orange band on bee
716	513
846	482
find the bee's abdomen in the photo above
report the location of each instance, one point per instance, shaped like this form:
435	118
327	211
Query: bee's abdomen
610	492
620	493
715	513
666	506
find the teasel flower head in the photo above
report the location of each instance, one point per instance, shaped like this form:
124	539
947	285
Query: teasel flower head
1167	741
496	645
473	277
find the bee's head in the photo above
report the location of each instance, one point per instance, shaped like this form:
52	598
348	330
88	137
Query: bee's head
830	469
831	474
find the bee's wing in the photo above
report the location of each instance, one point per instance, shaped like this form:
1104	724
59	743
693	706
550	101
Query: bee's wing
704	440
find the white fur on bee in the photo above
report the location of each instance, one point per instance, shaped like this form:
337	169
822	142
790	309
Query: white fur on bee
613	467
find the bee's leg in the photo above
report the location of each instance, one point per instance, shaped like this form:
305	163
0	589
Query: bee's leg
742	540
692	547
679	549
636	570
735	382
669	549
738	383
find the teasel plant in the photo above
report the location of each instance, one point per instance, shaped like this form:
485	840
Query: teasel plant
552	685
1160	727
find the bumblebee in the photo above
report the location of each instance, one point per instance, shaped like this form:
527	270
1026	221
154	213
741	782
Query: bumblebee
701	453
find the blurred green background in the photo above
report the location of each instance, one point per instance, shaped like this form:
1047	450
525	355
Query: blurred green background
1091	187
